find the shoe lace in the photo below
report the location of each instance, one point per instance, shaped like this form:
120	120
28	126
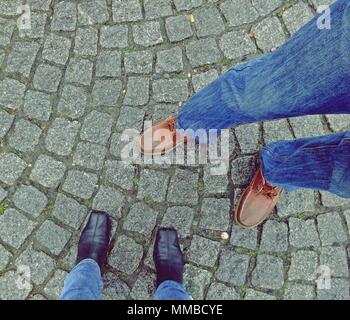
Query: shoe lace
267	190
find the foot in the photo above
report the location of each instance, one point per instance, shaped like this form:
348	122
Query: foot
95	238
257	202
167	256
161	138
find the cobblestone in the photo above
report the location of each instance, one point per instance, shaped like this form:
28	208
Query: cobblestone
243	45
11	167
109	200
178	28
220	208
6	121
137	91
303	266
147	34
303	233
169	60
336	259
25	136
80	183
172	90
208	22
331	229
47	78
219	291
274	237
114	36
79	71
138	62
37	105
108	64
202	52
56	49
12	93
203	251
180	218
196	280
106	93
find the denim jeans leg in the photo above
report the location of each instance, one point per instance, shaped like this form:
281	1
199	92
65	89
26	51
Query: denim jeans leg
320	163
309	74
83	282
171	290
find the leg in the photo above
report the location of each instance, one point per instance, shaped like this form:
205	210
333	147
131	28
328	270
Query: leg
309	74
84	282
320	163
171	290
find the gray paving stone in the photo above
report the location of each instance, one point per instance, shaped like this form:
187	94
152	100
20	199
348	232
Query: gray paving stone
11	167
297	16
114	288
307	126
117	145
170	90
264	7
248	137
39	263
215	214
22	57
202	52
243	45
153	184
3	194
48	171
322	2
182	5
268	272
72	102
25	136
303	233
69	211
331	200
164	110
178	28
15	227
214	183
208	22
86	41
108	64
80	184
233	268
238	12
183	188
144	287
47	78
56	48
120	173
130	118
12	92
274	237
114	36
339	122
137	91
110	200
201	80
106	93
257	295
169	60
299	292
157	8
7	27
60	138
126	255
331	229
37	27
147	34
6	121
277	130
336	259
203	251
9	288
126	11
179	218
30	200
303	266
269	34
79	71
295	202
339	291
195	281
97	127
89	155
243	170
141	218
65	16
138	62
52	237
54	287
92	12
246	238
219	291
4	257
37	105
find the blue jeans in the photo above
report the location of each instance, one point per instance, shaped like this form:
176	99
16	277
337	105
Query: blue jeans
84	282
309	74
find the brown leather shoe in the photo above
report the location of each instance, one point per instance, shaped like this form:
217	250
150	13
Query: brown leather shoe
256	202
161	138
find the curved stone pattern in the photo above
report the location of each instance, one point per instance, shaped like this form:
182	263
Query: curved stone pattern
84	71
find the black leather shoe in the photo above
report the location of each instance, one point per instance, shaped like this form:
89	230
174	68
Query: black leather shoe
95	238
167	256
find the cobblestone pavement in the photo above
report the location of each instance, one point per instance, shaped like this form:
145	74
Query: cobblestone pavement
84	72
